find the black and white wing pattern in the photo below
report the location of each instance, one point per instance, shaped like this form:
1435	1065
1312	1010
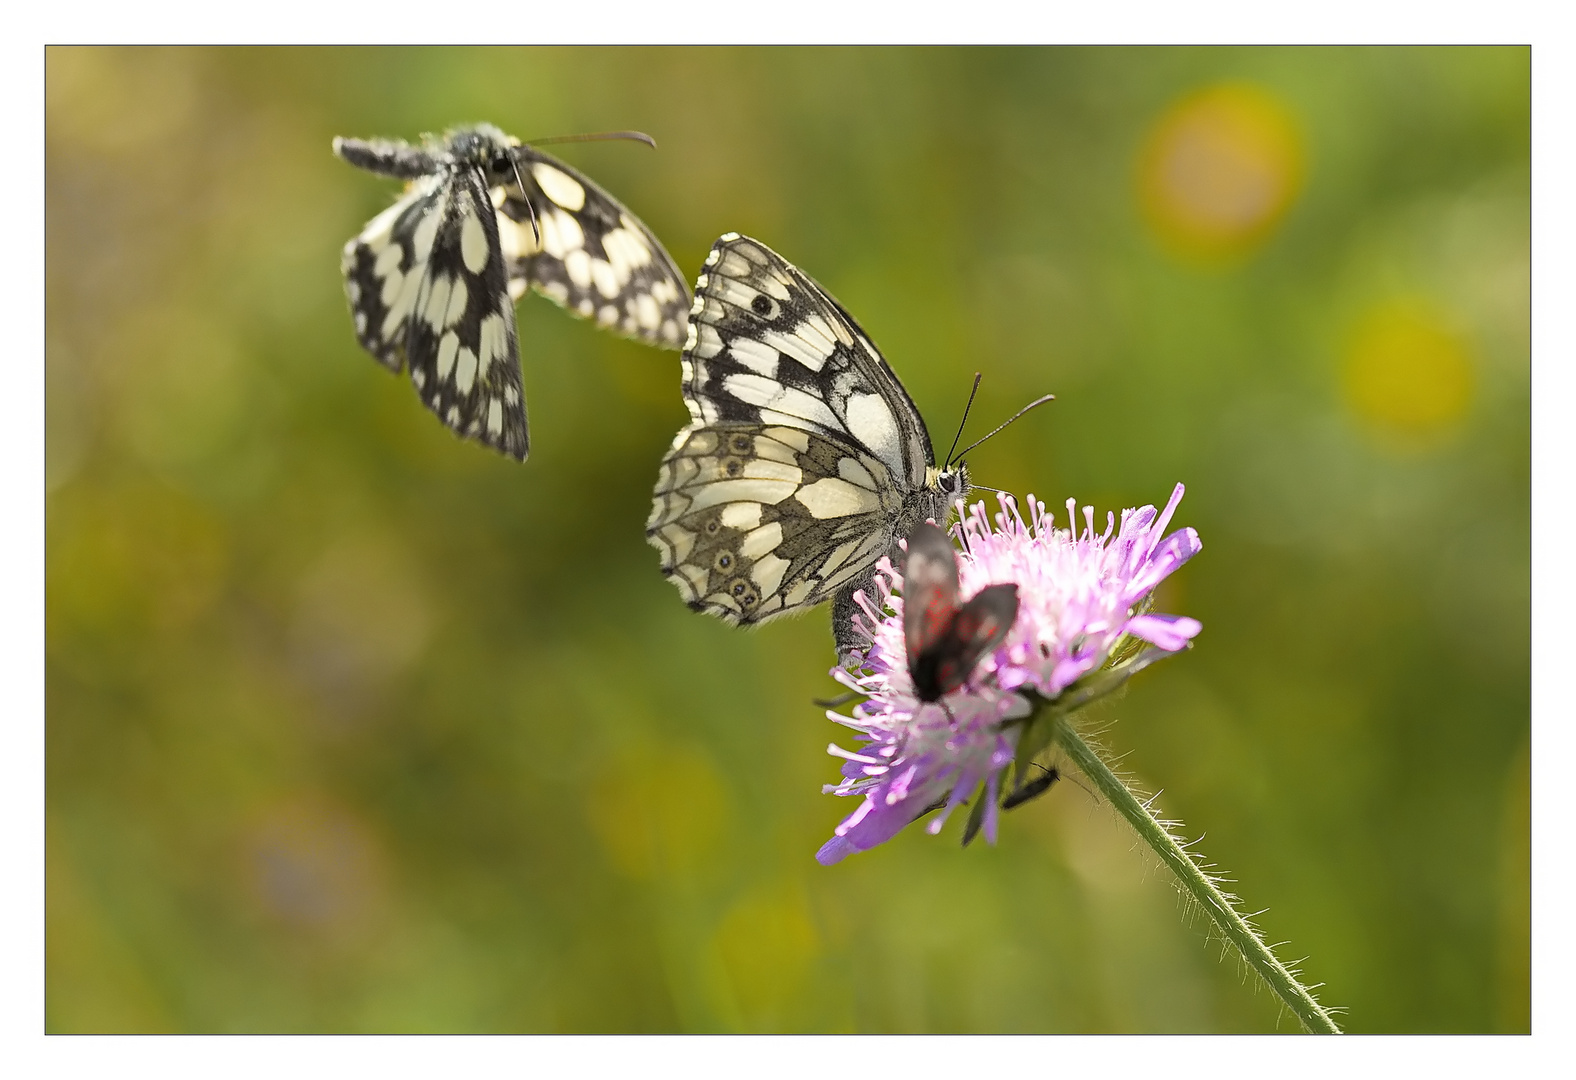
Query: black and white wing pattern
587	253
433	279
805	459
428	292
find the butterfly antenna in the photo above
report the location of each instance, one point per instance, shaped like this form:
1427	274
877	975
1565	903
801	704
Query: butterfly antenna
525	197
965	420
598	136
1033	404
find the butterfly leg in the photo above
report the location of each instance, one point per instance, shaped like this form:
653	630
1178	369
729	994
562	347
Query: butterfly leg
851	642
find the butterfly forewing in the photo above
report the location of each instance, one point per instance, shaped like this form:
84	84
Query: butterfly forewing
461	346
770	346
780	380
577	245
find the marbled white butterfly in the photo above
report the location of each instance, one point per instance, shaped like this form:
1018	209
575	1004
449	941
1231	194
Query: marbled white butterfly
432	280
805	459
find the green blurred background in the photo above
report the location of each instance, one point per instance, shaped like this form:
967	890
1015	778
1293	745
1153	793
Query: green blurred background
353	726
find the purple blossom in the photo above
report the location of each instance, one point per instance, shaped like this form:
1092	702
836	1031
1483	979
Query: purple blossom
1081	596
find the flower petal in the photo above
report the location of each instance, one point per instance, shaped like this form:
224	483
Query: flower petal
1169	632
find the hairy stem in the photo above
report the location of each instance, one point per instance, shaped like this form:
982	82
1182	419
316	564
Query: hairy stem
1217	904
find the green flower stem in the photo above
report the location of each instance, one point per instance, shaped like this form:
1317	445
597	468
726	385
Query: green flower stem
1199	885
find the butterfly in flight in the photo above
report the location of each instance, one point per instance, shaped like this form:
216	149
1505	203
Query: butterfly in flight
804	461
433	279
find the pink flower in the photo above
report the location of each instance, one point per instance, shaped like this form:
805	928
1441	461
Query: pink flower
1082	600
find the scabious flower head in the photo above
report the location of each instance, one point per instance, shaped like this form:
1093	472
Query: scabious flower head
1082	599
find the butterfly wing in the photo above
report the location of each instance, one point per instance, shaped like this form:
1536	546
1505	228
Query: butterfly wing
382	260
588	253
804	452
429	292
769	346
755	521
461	348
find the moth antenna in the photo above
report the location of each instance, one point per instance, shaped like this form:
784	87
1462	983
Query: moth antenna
1033	404
965	420
597	136
835	703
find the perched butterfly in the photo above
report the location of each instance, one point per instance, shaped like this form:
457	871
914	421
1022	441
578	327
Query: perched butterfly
432	280
945	639
805	459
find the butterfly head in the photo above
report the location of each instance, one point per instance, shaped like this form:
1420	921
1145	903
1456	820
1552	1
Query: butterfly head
946	485
486	148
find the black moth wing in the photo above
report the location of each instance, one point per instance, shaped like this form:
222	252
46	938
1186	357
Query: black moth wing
930	590
945	640
463	352
587	252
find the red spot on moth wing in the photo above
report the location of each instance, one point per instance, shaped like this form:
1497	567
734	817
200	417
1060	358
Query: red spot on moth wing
930	587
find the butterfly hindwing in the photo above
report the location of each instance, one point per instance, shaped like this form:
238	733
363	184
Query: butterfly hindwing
805	460
736	518
381	261
577	245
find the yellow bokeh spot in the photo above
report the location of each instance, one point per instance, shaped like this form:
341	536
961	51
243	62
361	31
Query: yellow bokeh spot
660	814
767	944
1219	170
1407	373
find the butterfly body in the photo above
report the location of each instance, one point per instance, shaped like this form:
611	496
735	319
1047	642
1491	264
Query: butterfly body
945	639
805	459
432	280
